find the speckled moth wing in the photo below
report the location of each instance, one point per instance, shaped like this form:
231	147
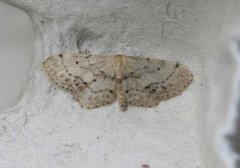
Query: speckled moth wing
99	93
89	78
73	71
149	81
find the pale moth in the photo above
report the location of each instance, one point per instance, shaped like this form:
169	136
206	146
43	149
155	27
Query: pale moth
97	80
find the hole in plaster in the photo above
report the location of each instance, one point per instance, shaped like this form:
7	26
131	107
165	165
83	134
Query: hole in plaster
16	48
85	39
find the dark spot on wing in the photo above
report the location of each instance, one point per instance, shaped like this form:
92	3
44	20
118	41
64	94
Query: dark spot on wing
119	80
147	87
153	91
67	80
164	88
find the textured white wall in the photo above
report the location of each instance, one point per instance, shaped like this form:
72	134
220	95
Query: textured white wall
51	130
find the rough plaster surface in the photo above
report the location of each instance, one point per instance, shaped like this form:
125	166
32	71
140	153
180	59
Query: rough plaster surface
51	130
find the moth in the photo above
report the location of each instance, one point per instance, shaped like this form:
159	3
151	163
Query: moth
98	80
